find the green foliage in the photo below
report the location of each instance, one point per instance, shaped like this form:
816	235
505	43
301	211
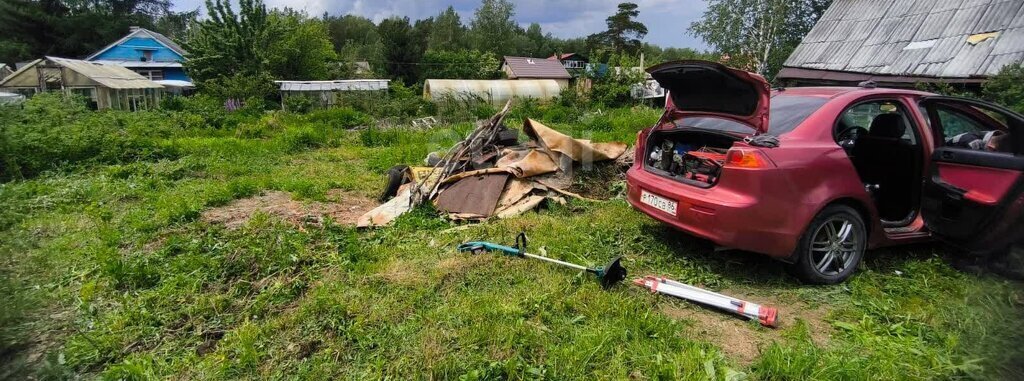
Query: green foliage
240	86
340	117
447	33
757	35
402	48
301	49
227	44
30	29
492	27
624	32
122	267
53	129
459	64
298	103
1007	87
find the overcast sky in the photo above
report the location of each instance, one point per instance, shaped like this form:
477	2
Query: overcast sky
666	20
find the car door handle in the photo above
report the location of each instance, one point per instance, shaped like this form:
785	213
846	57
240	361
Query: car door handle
947	155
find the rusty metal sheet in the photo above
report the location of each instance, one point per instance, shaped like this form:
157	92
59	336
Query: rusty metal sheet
476	195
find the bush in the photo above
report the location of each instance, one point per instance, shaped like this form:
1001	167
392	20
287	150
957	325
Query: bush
341	117
377	137
453	108
1007	87
299	139
298	104
53	130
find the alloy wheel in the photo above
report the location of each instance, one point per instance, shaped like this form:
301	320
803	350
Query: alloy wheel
834	246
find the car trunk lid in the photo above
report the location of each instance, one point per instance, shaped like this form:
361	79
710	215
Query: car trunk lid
709	89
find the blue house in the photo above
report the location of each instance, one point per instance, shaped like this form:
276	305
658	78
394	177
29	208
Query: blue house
148	53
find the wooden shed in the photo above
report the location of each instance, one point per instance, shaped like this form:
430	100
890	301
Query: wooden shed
105	86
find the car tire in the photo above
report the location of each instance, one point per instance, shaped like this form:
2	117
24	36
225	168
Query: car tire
832	247
397	176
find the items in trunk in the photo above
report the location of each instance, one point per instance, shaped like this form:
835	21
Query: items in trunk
683	160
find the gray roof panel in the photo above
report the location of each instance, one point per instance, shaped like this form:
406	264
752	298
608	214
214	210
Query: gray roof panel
963	21
872	37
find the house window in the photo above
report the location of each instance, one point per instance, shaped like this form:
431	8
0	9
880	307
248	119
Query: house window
152	75
147	55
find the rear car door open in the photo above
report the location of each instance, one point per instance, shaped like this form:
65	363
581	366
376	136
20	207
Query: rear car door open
973	195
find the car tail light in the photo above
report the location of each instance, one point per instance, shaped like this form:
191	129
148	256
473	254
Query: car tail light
747	158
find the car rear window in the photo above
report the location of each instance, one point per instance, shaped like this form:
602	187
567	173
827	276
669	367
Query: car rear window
786	112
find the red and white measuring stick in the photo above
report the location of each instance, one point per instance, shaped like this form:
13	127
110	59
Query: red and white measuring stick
768	316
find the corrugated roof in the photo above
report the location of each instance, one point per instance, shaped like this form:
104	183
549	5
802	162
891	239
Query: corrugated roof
526	67
343	85
112	76
921	38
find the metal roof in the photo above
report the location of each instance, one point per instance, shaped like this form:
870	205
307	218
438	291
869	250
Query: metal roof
111	76
342	85
526	67
175	83
913	38
136	31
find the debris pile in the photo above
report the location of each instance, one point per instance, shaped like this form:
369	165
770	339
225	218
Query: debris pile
490	174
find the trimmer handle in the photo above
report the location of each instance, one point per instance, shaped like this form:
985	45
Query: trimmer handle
479	246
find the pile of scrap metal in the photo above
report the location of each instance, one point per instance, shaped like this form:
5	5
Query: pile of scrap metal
489	174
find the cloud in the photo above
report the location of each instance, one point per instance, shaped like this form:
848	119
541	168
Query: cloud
666	20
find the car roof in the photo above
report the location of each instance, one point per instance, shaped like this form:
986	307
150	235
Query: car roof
836	91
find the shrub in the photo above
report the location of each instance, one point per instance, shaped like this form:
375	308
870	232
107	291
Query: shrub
463	107
298	139
53	130
1007	87
377	137
342	117
298	104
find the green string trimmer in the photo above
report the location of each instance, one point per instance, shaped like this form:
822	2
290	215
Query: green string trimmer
608	275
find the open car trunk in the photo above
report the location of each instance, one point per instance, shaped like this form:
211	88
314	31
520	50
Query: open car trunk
693	157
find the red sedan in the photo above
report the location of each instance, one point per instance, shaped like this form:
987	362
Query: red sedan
815	176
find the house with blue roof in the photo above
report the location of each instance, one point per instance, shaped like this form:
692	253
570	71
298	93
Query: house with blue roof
150	54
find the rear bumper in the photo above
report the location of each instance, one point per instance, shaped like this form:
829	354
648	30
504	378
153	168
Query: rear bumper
738	220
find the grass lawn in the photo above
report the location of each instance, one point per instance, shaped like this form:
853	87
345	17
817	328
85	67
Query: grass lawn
111	271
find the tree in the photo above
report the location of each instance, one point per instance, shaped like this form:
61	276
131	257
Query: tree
461	64
355	39
176	24
758	34
493	26
227	44
70	28
1007	87
400	48
448	33
302	50
624	32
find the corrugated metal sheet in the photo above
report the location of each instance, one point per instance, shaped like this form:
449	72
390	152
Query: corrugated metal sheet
110	76
496	91
872	36
343	85
526	67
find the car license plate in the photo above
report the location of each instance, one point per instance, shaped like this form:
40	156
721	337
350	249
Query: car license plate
661	203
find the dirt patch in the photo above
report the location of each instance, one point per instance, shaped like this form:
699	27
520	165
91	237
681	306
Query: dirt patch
742	340
344	209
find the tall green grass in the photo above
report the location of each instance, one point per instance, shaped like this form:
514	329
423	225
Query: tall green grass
108	271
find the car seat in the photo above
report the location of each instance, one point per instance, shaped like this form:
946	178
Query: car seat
888	163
